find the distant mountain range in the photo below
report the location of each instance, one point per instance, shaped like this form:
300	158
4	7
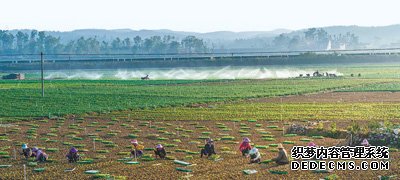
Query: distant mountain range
374	37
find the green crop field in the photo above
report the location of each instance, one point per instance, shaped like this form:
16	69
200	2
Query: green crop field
23	98
390	87
275	111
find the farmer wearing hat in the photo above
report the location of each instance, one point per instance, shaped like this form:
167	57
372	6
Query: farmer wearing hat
255	156
26	151
365	143
40	155
245	146
137	149
160	151
73	155
208	149
282	156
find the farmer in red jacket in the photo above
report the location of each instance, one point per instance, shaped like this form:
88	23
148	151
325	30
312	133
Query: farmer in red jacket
245	146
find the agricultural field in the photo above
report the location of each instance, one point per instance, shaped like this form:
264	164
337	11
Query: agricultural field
100	117
22	99
105	146
385	87
286	111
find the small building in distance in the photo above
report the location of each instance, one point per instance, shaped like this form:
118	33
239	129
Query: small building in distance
16	76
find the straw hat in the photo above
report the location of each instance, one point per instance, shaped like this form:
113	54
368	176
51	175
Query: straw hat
280	146
134	141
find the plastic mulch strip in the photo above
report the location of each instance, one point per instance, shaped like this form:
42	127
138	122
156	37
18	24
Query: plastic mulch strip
101	176
305	140
183	170
31	164
266	161
92	171
290	135
278	172
318	137
69	170
250	171
287	142
132	162
261	147
228	138
148	159
85	162
39	169
321	171
181	163
125	159
5	166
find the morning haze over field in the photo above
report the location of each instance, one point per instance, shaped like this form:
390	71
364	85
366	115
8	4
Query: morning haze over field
199	89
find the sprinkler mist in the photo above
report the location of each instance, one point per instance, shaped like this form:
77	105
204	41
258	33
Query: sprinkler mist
228	72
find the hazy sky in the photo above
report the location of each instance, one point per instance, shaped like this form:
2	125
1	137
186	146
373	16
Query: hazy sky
195	15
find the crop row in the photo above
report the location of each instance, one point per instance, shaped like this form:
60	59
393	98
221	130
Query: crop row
23	99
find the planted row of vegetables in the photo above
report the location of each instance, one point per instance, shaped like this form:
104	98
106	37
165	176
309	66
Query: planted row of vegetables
22	98
104	145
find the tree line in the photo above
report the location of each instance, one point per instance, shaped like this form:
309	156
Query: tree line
39	41
315	39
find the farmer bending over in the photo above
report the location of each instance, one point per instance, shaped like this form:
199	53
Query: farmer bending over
245	146
73	155
40	155
160	151
255	156
208	149
137	149
26	151
282	156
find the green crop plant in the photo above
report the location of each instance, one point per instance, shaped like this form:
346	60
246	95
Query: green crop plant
288	142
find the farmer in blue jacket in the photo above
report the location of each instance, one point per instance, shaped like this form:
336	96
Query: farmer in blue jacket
208	149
